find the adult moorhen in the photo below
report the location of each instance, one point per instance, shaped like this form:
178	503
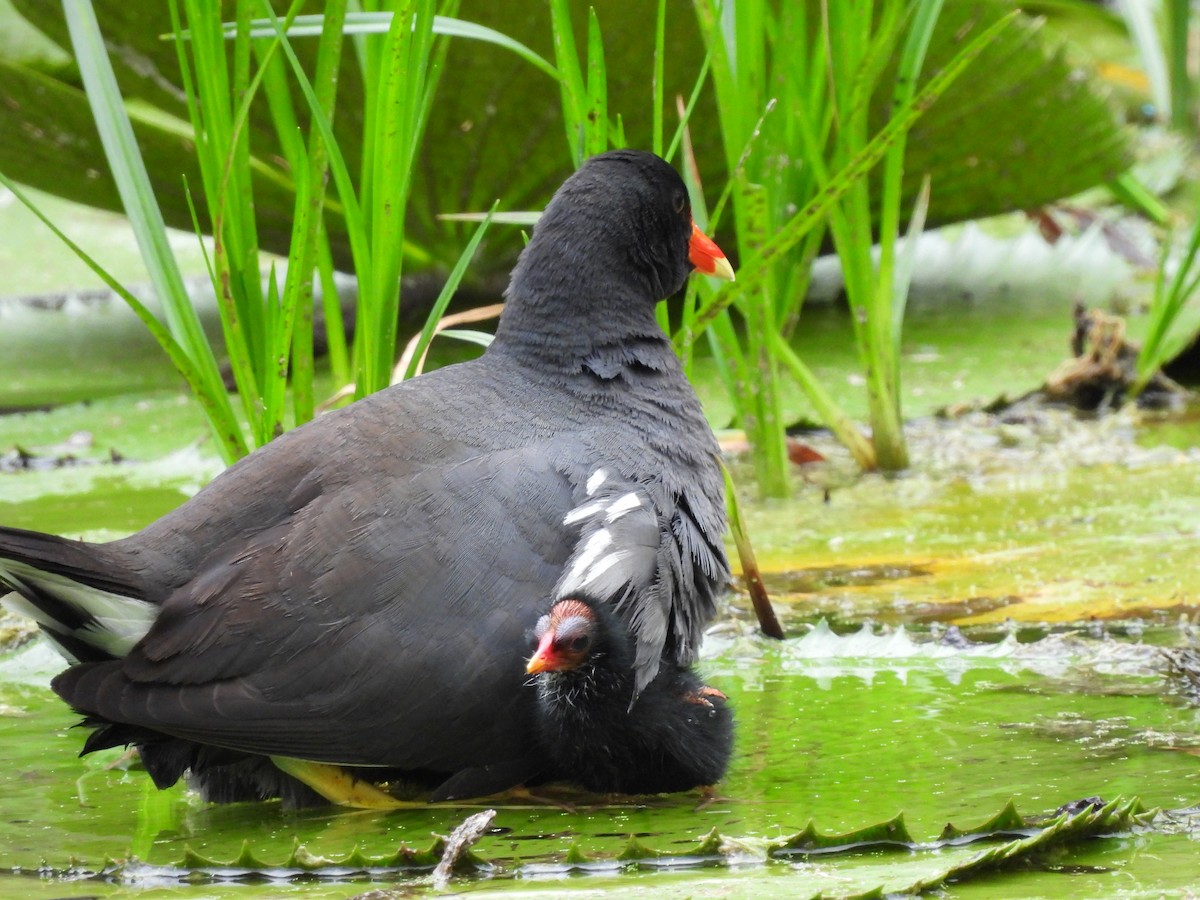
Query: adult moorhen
677	735
358	591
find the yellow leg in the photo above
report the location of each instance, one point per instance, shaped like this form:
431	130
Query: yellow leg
338	786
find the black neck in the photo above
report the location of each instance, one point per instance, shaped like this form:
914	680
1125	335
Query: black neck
601	686
564	304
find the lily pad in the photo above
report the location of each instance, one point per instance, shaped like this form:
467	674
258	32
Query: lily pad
992	144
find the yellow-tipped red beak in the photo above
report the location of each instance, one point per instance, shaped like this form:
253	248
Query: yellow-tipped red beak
543	657
707	257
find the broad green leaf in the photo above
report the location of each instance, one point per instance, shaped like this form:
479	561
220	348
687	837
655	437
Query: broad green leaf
994	143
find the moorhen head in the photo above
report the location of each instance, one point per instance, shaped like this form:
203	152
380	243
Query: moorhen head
357	592
676	735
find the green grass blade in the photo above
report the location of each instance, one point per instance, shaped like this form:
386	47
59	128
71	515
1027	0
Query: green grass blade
360	23
384	202
726	354
596	128
656	79
571	79
397	125
758	266
453	27
906	265
137	196
765	420
335	327
685	117
826	407
360	246
205	114
1177	45
887	297
479	338
1128	189
1166	306
296	330
521	218
912	59
446	294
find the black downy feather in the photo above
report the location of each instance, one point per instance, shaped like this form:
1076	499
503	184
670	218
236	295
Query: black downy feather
678	733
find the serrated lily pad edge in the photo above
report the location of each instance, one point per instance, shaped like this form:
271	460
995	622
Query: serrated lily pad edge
1035	839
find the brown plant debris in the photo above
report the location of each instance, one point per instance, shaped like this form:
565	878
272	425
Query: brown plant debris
1103	368
1183	668
458	845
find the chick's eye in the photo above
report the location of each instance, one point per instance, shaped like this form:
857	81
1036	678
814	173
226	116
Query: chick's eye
680	201
580	644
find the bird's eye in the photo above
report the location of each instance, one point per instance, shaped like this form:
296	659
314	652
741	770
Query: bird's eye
680	201
580	644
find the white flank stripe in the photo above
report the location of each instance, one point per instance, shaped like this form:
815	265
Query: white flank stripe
598	478
602	565
624	504
579	513
585	558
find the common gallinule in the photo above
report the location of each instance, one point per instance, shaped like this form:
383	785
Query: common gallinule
677	734
358	592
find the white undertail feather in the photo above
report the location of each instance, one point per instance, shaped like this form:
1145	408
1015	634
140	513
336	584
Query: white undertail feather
120	621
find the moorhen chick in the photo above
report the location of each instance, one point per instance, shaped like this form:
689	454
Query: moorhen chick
677	734
357	592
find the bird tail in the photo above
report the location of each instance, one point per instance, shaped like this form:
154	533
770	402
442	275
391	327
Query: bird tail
82	599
